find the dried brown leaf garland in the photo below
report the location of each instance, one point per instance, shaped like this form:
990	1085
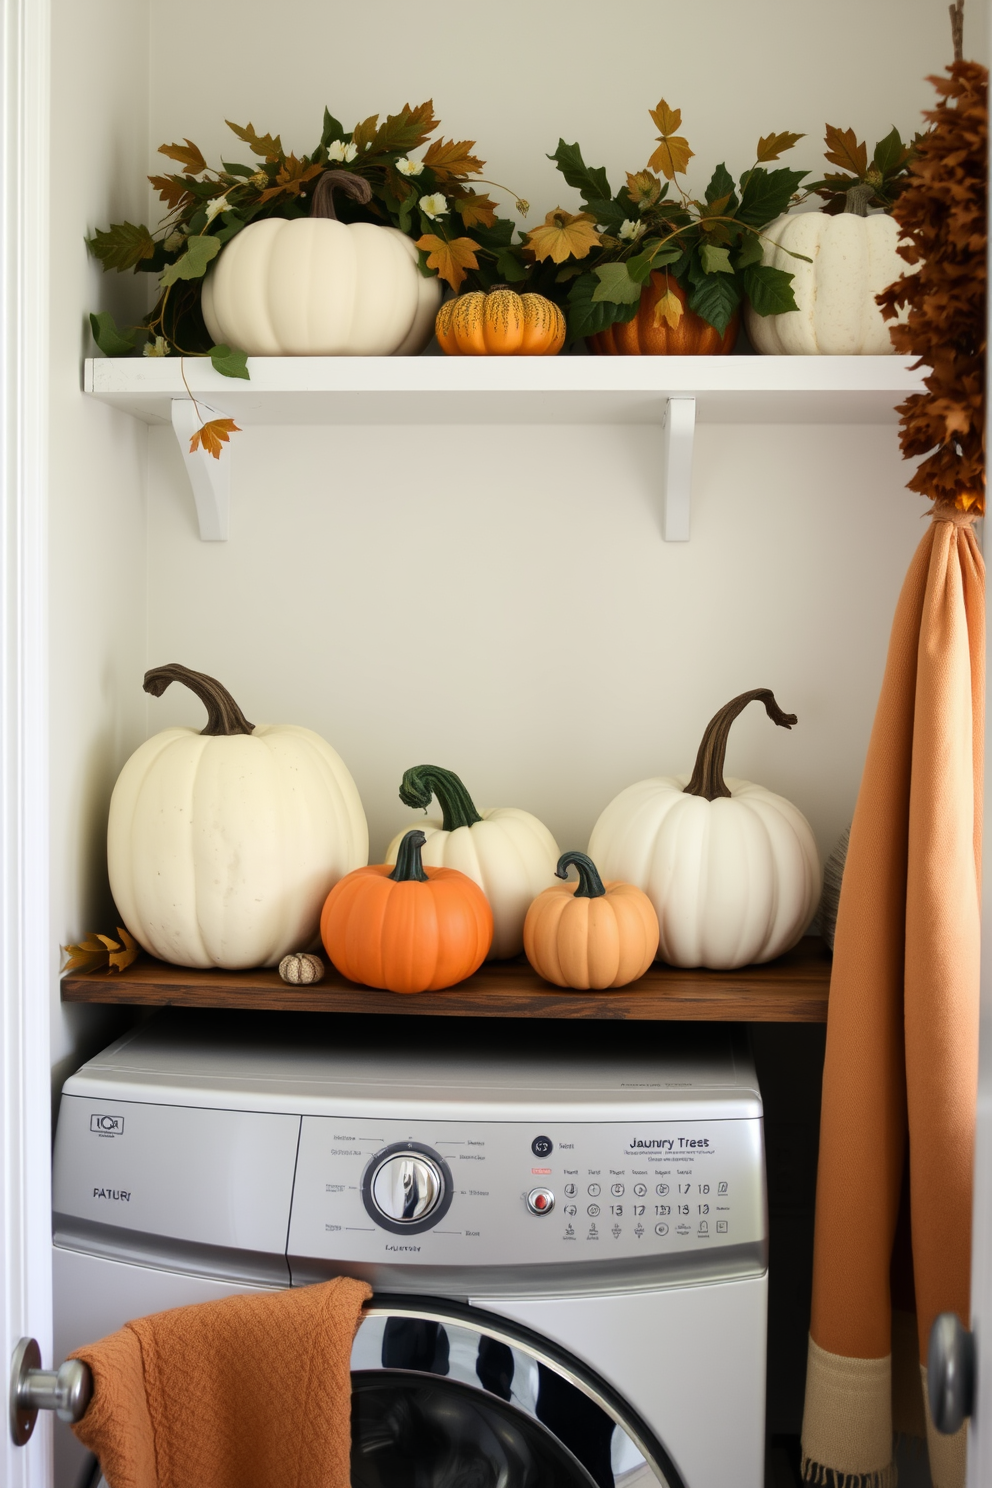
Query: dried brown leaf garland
100	953
942	212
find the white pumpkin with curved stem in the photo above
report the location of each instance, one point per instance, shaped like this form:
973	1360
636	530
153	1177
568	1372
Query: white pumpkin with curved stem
509	853
314	286
223	845
731	868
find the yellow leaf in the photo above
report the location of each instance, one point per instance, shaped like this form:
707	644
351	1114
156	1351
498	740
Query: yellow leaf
265	145
668	309
450	259
96	952
564	235
475	209
671	157
364	133
121	957
666	120
771	146
448	158
187	155
643	189
213	436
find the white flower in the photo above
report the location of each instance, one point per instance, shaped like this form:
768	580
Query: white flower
338	150
219	204
434	206
630	230
408	167
158	347
174	241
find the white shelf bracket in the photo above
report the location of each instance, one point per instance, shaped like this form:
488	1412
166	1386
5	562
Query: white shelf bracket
210	479
679	429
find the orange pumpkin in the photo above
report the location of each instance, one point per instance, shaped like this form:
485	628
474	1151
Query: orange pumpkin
500	323
693	336
408	928
590	934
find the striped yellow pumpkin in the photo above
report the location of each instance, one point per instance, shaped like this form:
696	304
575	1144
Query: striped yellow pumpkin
500	323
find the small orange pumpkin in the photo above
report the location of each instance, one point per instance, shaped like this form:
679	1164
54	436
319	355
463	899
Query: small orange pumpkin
500	323
590	934
408	928
693	336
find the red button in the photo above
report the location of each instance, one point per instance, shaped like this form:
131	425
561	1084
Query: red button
540	1202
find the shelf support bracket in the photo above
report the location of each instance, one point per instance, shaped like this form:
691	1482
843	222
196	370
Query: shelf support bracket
679	429
210	479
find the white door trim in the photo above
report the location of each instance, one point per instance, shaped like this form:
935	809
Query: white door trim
26	950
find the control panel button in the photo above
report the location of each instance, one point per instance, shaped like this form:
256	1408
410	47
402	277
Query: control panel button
721	1227
570	1190
662	1189
406	1188
661	1229
541	1146
593	1210
616	1189
640	1189
540	1201
594	1190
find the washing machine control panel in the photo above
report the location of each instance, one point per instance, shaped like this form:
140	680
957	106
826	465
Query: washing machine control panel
433	1193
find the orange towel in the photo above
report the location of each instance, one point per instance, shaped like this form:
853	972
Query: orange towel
251	1392
900	1080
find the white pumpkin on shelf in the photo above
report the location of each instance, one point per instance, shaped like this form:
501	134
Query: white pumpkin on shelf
223	845
506	851
852	258
314	286
731	868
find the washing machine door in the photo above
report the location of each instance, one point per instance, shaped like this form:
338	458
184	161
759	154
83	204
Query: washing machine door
449	1396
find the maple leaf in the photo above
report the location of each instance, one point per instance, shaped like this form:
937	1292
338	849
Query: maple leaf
844	149
451	158
364	133
292	176
213	436
668	309
643	189
99	953
665	119
263	145
187	155
405	131
771	146
476	210
672	156
123	246
564	235
450	259
172	190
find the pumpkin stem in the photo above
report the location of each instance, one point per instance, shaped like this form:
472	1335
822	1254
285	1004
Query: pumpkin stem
858	197
421	782
590	884
322	200
223	714
409	868
707	777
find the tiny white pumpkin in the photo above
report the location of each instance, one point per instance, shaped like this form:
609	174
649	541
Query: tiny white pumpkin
301	968
506	851
314	286
853	258
731	868
223	845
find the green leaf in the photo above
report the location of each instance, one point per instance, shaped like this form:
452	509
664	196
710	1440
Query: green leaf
769	290
193	264
405	215
611	214
229	363
500	235
109	339
589	180
890	153
721	184
615	285
715	260
750	251
715	298
332	129
767	194
238	170
509	267
586	316
123	246
641	265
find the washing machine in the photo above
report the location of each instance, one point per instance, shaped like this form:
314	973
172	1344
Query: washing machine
564	1227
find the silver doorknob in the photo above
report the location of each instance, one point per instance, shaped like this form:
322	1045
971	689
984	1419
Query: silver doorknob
66	1390
950	1373
407	1187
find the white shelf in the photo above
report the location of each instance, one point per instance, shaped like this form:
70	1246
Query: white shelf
512	390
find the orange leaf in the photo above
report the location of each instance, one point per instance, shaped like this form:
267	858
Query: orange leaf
564	235
671	157
845	150
475	209
99	953
666	120
669	309
771	146
448	158
171	190
213	436
187	155
450	259
643	189
121	957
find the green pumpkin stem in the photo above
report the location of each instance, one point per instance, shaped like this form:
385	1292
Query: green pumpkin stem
409	868
590	884
223	714
421	782
707	777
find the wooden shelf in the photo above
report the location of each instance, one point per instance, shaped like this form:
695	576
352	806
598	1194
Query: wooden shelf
792	989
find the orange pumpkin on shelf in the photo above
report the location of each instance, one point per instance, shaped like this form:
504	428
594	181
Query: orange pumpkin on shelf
500	323
407	928
590	934
693	336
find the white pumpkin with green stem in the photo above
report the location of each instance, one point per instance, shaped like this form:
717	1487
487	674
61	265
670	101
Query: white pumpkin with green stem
731	868
509	853
222	845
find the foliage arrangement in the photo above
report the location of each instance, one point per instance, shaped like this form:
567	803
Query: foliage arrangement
864	183
942	212
432	199
100	953
597	261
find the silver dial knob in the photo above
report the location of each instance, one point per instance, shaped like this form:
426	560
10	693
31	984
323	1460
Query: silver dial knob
406	1188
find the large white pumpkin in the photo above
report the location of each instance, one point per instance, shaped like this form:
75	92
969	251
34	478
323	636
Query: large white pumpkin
509	853
223	845
853	259
314	286
731	868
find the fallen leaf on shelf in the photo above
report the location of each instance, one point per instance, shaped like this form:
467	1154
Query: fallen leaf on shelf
99	953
